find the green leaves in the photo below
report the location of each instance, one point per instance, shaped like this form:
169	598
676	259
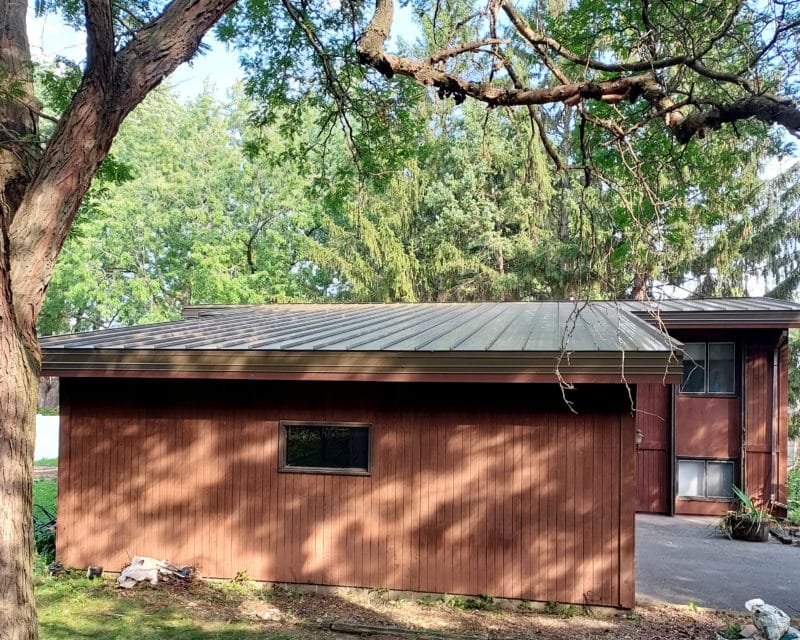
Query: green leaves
198	221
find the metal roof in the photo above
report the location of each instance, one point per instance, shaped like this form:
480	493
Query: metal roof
581	337
731	313
531	326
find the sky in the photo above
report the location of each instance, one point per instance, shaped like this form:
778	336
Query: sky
49	37
218	68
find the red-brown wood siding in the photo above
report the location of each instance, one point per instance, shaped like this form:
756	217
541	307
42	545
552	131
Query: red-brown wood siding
758	420
765	473
782	449
493	489
708	426
711	427
653	461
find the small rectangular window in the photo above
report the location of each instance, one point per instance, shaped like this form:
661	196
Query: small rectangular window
705	478
709	368
315	447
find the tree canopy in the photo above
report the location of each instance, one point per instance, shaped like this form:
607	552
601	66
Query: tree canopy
653	117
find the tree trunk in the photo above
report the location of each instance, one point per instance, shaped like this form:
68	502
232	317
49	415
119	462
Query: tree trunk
40	192
640	288
19	378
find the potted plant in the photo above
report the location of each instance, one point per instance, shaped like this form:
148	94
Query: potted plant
747	521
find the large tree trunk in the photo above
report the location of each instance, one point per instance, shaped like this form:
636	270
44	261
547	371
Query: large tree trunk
19	383
40	192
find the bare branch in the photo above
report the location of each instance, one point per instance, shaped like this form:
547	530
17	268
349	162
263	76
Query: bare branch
445	54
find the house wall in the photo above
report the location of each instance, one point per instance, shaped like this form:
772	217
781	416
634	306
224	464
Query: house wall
653	457
495	489
765	465
709	426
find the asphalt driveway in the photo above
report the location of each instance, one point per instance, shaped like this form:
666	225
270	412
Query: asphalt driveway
683	559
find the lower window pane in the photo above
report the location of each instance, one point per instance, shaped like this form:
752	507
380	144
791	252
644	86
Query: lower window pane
719	479
691	478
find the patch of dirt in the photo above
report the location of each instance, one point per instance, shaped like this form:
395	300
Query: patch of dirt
45	473
359	613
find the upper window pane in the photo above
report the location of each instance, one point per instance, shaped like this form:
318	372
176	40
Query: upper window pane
721	367
694	367
334	448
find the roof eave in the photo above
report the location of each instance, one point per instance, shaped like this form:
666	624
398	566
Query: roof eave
723	319
584	366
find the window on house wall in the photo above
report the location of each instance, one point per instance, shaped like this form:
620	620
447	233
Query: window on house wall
314	447
709	367
698	478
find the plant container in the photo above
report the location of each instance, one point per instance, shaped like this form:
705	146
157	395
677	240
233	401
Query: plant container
744	529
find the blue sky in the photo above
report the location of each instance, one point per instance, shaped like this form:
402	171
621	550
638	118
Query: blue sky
49	37
219	68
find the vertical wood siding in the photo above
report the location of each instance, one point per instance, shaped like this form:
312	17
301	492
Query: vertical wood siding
758	420
759	481
494	489
782	458
653	461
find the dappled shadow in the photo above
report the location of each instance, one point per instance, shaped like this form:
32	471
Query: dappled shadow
71	608
76	608
475	488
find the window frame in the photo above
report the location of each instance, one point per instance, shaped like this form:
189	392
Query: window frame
730	461
284	467
705	391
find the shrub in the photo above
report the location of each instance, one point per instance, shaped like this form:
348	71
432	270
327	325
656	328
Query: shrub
794	495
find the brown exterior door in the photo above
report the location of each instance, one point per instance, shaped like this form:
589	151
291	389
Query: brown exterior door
653	484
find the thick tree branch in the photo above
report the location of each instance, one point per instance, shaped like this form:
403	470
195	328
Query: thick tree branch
18	110
165	43
766	107
756	107
99	40
84	134
370	47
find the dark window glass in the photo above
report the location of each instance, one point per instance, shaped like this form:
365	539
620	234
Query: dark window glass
709	368
326	447
694	367
721	368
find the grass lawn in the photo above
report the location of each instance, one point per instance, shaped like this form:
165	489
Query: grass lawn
45	497
46	462
74	607
45	493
